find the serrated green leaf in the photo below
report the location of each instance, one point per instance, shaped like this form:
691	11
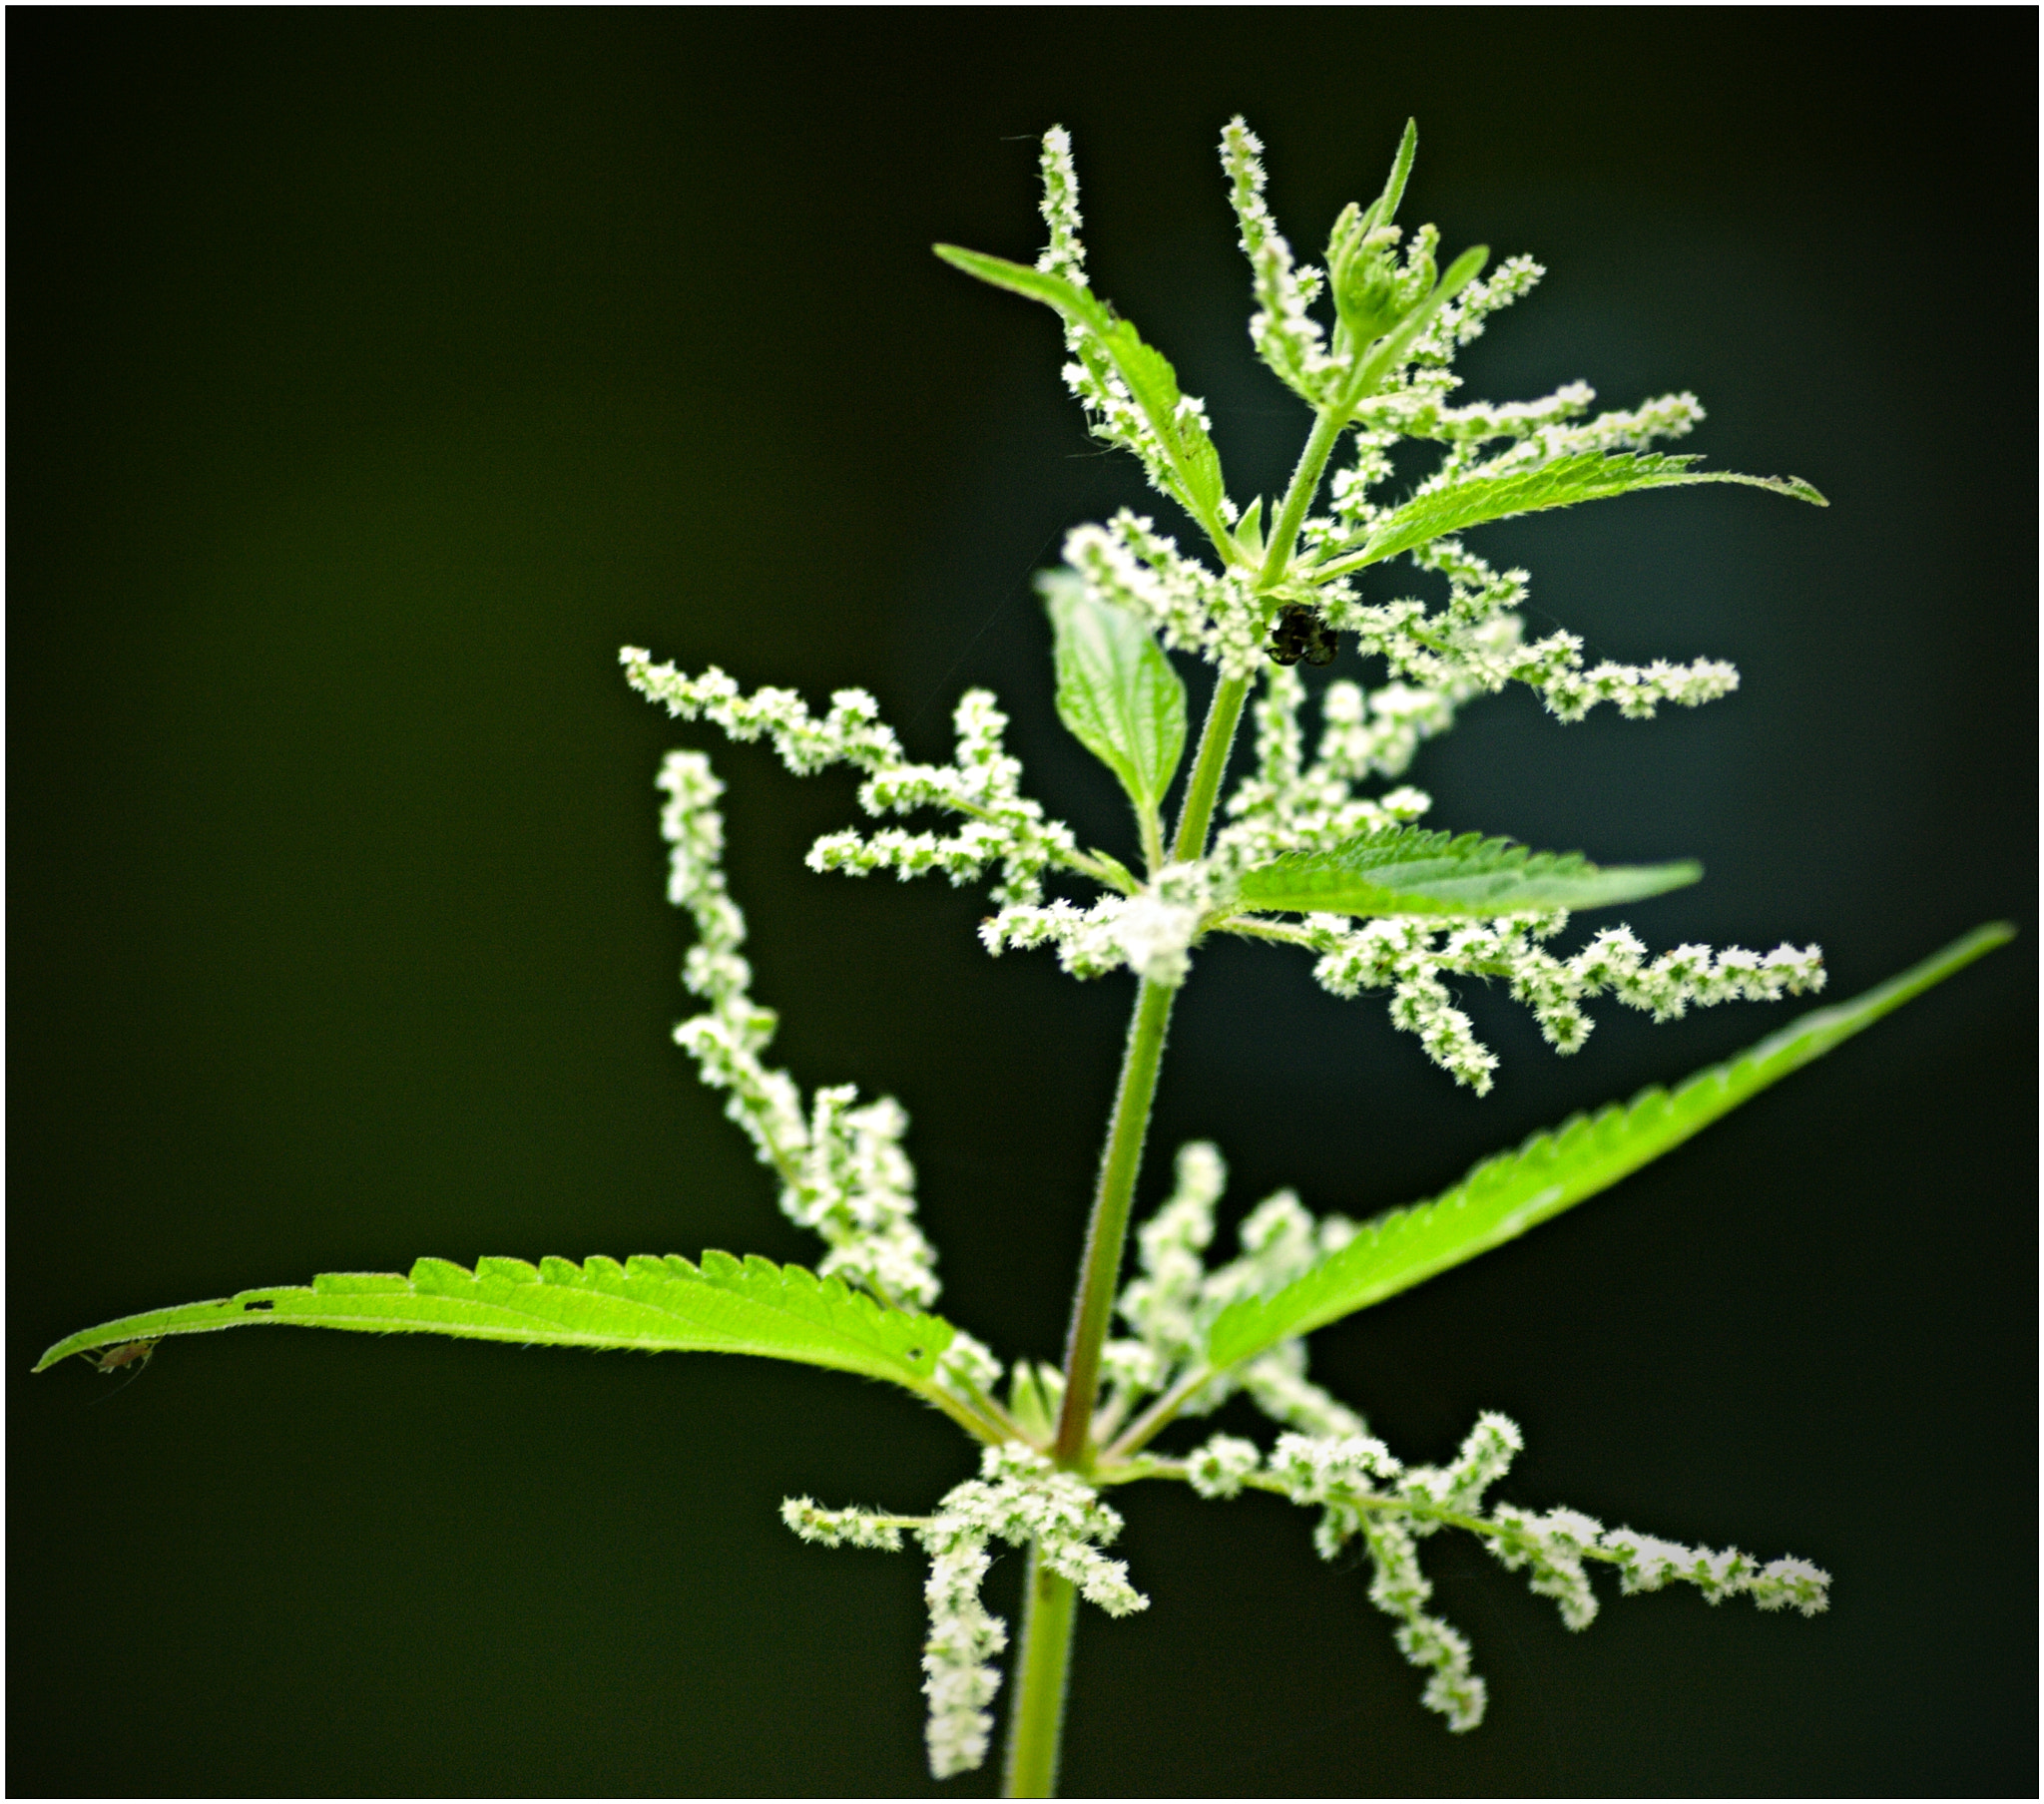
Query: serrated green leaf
1504	1196
1116	692
1589	476
653	1304
1192	462
1410	871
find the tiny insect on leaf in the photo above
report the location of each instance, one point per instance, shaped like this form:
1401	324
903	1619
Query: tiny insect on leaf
134	1352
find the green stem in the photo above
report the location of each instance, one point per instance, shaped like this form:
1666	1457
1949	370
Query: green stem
1047	1631
1217	740
1109	1228
1305	484
1158	1417
1038	1725
1153	842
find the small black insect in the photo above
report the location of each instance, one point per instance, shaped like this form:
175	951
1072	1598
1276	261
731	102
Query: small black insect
1300	633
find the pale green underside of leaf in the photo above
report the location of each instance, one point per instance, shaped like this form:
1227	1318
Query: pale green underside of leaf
1590	476
1116	692
1411	871
653	1304
1504	1196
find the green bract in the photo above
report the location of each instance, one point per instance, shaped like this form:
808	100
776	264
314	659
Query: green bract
1320	825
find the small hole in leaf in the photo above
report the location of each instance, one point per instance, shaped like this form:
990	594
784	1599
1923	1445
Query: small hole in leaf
914	1352
264	1304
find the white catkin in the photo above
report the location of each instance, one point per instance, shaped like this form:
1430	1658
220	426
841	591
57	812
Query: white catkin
843	1173
1019	1498
1364	1493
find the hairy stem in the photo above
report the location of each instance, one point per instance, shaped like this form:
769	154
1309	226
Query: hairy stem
1047	1625
1153	841
1047	1631
1305	484
1158	1417
1047	1634
1217	740
1107	1232
1035	1732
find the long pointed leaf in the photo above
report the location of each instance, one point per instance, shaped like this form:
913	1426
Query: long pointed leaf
1410	871
1384	208
1589	476
653	1304
1194	464
1504	1196
1074	305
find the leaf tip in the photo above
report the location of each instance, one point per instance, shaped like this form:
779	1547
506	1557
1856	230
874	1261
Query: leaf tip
1969	946
1463	270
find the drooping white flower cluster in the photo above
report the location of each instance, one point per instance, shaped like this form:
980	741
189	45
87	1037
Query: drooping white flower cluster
965	1638
1173	1299
841	1169
1364	1490
1019	1498
1399	1588
1408	956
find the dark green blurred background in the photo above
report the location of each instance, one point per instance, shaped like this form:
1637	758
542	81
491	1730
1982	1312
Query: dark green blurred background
376	375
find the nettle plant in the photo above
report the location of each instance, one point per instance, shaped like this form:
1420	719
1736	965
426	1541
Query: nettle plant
1309	850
